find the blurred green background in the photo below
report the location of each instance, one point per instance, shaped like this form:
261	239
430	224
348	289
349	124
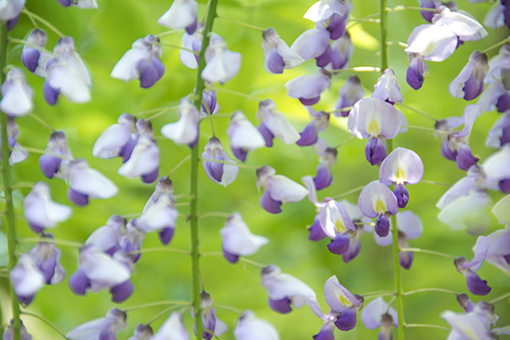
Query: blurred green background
102	36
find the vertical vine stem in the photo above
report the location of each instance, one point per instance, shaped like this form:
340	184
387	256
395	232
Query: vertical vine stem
193	206
6	178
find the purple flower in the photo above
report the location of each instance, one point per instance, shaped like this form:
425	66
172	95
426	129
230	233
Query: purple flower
463	26
243	136
498	252
278	189
401	167
309	136
308	88
474	325
377	314
277	53
9	332
474	283
497	16
312	43
144	158
336	56
212	325
172	329
57	156
377	120
499	134
432	42
17	153
79	3
349	94
342	303
210	105
10	9
87	183
387	89
185	130
221	63
336	223
67	75
275	123
331	14
237	239
377	200
100	329
106	238
469	82
416	71
26	278
141	62
159	213
496	170
284	290
191	42
182	14
142	332
46	257
218	172
16	95
32	58
40	212
324	176
249	327
116	139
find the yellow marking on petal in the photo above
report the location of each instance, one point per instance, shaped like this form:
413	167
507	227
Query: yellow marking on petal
340	226
401	175
373	127
344	300
380	207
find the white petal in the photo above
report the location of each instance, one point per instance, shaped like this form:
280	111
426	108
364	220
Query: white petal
181	14
127	67
286	190
467	212
90	182
238	239
249	327
159	215
311	43
502	210
466	28
102	268
243	134
25	276
172	329
143	160
434	43
69	84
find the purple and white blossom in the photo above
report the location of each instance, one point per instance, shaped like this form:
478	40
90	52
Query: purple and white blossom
67	74
308	88
40	211
465	27
182	14
99	329
344	305
351	92
377	200
497	16
26	278
432	42
278	189
320	120
473	325
312	43
225	170
243	136
9	11
185	130
387	89
210	105
9	332
327	158
285	291
377	314
238	240
276	123
496	170
141	62
79	3
277	53
16	95
336	56
221	63
401	167
331	14
116	139
212	325
57	156
142	332
336	223
249	327
46	257
376	120
16	152
469	83
416	71
32	56
499	134
172	329
191	42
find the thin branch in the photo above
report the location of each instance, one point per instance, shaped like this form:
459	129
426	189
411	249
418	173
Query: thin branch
184	160
42	21
221	89
46	322
425	251
156	303
214	214
162	249
419	325
50	240
355	190
441	290
241	23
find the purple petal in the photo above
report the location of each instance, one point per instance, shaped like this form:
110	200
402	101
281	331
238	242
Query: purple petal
30	58
11	23
503	103
309	135
347	320
121	291
339	245
150	71
25	299
269	204
230	257
268	136
309	101
476	285
465	158
447	152
191	28
416	72
275	62
165	235
281	306
375	150
240	153
326	332
35	228
504	186
49	165
150	177
353	252
402	195
406	259
325	58
65	3
427	15
316	232
50	94
127	149
78	282
324	177
336	27
473	87
214	169
382	225
77	198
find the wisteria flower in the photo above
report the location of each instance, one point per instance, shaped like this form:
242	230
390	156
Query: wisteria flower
114	141
185	130
499	134
327	158
172	329
309	136
278	189
26	278
308	88
67	75
416	71
284	290
498	252
377	314
46	257
182	14
336	223
57	156
497	16
331	14
16	153
277	53
496	170
376	120
142	332
79	3
218	172
468	326
432	42
238	240
221	63
336	56
243	136
463	26
212	325
99	329
312	43
275	124
191	42
349	94
210	105
9	10
469	82
106	238
9	332
16	95
401	167
40	211
377	200
342	303
249	327
387	89
32	57
141	62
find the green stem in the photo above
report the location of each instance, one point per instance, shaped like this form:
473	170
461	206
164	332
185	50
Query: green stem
184	160
241	23
502	42
441	290
40	120
158	114
402	8
230	308
424	114
355	190
384	35
156	249
500	298
50	240
358	69
175	46
398	43
415	325
154	110
162	34
344	142
214	214
24	42
160	314
195	159
378	293
241	259
377	21
42	21
421	128
425	251
240	94
435	183
58	330
6	177
156	303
